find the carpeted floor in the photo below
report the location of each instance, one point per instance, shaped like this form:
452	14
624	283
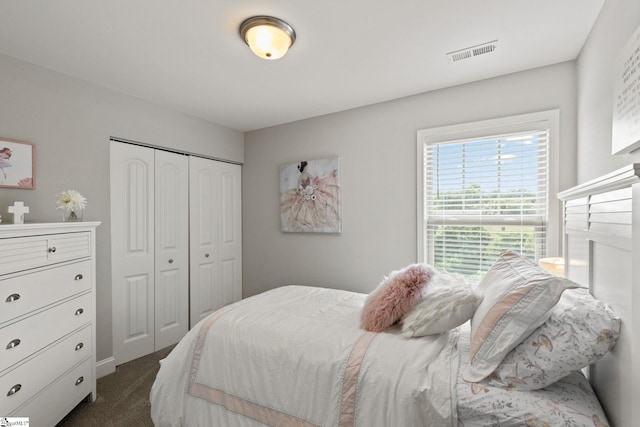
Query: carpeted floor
123	397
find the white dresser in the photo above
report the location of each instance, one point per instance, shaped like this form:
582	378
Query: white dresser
47	319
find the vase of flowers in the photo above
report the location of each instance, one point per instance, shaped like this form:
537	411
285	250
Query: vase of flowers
72	204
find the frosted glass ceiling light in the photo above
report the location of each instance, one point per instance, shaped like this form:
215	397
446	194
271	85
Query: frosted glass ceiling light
268	37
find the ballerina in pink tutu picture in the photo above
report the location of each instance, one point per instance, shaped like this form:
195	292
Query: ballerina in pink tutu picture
310	196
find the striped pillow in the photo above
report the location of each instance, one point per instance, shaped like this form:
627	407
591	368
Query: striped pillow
518	297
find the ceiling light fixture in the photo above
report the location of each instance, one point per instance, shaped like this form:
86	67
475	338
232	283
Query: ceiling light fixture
268	37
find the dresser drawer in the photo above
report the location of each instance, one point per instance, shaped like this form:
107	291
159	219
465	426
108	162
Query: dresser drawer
49	407
23	294
22	339
28	379
22	253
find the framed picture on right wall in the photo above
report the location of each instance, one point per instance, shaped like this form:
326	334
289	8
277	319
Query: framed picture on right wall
626	98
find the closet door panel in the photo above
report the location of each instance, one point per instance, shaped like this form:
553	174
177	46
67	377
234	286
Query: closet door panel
132	254
204	248
228	288
230	232
137	316
205	291
171	248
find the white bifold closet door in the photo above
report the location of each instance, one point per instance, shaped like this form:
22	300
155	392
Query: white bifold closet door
171	248
150	249
216	236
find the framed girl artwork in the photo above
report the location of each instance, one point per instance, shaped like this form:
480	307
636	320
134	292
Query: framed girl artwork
310	196
16	164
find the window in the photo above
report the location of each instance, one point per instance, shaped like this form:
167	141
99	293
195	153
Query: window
485	188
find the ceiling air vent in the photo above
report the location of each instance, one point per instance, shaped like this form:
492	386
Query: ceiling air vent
472	51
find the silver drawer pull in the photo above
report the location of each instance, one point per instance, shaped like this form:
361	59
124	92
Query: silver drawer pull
78	277
13	344
13	390
79	380
12	298
79	346
52	249
79	311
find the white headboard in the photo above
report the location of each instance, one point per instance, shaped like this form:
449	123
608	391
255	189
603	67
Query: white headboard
602	251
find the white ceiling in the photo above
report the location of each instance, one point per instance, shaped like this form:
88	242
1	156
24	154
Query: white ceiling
187	55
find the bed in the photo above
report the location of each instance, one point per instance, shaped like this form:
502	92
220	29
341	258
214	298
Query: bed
305	356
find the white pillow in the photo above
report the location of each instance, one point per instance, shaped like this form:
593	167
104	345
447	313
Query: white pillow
447	302
518	297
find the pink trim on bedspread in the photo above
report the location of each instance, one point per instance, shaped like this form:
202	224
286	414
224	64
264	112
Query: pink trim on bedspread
350	383
269	416
204	329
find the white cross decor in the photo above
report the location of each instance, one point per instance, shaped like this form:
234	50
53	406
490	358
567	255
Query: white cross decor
18	210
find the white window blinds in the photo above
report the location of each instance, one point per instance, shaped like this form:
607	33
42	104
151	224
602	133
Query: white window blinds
484	196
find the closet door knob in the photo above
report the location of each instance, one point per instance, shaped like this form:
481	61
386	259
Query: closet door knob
79	346
12	298
170	260
13	344
78	277
79	311
13	390
52	249
206	255
79	380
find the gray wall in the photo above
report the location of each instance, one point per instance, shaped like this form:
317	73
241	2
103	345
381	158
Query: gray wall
616	23
378	149
70	123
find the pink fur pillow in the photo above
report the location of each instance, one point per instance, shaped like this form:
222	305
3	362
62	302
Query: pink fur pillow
394	297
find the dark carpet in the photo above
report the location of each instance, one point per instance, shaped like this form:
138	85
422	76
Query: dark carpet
123	396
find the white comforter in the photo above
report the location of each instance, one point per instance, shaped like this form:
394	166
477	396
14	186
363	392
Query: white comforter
295	356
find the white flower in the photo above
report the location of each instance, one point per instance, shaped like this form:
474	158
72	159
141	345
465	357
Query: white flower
71	200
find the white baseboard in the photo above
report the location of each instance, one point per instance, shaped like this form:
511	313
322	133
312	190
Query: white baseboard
105	367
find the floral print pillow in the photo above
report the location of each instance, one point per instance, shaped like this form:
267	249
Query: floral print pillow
579	332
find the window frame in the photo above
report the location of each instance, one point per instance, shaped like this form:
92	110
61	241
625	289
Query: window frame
479	130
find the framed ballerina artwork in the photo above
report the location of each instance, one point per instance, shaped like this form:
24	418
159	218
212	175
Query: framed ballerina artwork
16	164
310	196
